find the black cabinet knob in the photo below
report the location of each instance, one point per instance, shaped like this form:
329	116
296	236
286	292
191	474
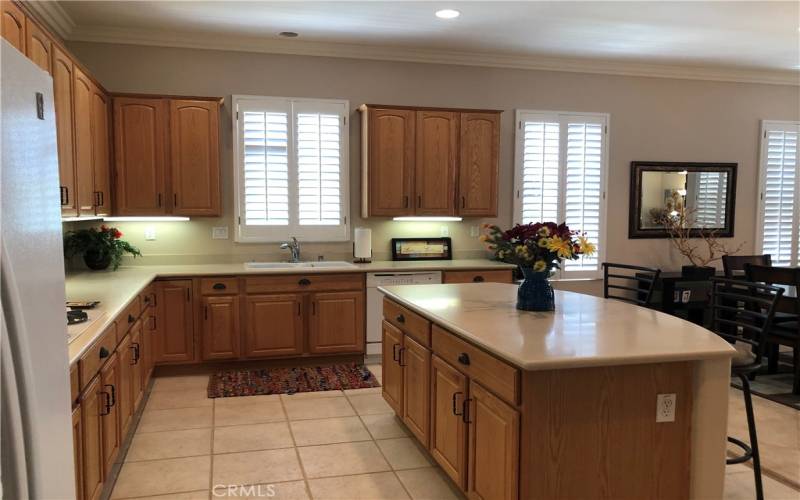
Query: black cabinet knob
131	319
304	282
400	318
104	353
478	279
463	358
219	286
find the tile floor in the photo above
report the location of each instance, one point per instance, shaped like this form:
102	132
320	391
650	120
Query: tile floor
337	444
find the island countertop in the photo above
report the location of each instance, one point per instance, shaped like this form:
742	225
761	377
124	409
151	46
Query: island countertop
583	331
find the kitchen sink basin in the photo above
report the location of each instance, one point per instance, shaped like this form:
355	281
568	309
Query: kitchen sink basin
297	265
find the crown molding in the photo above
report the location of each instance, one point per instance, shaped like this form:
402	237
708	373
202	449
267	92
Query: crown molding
54	15
400	54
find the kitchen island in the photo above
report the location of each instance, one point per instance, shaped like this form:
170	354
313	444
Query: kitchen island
562	404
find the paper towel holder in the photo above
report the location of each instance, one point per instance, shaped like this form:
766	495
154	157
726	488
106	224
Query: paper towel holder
361	260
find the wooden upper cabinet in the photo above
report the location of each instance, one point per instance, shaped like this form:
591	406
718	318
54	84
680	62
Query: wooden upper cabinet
38	46
101	154
63	72
435	166
478	164
194	152
82	88
390	161
12	27
140	155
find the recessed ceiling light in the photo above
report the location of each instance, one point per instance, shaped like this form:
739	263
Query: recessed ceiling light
288	34
447	14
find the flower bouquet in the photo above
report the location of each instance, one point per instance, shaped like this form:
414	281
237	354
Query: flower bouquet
538	249
99	248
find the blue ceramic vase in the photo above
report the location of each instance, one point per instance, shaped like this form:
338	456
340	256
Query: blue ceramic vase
535	292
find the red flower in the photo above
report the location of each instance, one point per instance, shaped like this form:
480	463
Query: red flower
117	233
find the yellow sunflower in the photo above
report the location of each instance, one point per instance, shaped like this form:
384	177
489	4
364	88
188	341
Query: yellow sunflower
539	266
586	246
562	248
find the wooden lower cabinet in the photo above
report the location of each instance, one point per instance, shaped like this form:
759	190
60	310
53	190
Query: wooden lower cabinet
493	446
391	371
221	327
124	392
416	363
448	442
482	276
274	325
175	329
137	366
92	408
110	415
337	322
77	451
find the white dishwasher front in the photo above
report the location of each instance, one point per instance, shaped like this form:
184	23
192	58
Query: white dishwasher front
375	299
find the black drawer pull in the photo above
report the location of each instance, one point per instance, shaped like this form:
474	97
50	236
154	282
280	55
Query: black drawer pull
455	395
131	319
478	279
400	318
304	282
463	358
104	353
113	395
465	411
107	404
219	286
394	352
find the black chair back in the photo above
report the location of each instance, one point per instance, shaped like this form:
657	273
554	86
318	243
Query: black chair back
784	276
742	311
632	284
735	264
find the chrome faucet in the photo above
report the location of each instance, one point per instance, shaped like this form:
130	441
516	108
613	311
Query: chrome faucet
294	247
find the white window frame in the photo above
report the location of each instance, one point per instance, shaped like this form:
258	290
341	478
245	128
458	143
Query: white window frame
519	139
306	233
762	184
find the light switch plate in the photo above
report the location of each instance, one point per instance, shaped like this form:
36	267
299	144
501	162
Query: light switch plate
150	233
474	231
219	233
444	231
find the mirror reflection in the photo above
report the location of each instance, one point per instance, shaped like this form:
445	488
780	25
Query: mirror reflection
689	199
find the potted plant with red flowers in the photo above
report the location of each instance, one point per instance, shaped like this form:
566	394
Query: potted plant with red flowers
538	249
99	247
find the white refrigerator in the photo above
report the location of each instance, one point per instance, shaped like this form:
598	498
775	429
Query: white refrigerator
35	410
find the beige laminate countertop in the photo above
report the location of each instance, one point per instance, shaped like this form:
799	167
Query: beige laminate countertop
115	289
583	331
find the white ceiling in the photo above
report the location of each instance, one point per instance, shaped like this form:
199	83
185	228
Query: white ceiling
705	37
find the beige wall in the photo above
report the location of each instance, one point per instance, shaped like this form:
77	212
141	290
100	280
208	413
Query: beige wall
651	119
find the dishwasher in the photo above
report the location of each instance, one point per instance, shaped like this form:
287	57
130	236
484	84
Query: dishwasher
375	299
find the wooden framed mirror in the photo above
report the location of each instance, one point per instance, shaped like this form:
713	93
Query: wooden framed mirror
700	195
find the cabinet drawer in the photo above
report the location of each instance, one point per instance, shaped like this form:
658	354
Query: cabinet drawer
304	283
495	375
129	316
217	286
411	323
486	276
97	355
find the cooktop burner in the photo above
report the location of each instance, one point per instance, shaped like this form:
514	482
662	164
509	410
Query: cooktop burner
75	316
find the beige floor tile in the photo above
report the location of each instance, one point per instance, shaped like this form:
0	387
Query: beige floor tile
160	477
246	400
366	390
312	395
383	486
370	404
164	400
428	484
190	495
403	453
300	409
252	437
270	411
339	459
175	419
292	490
329	430
257	467
740	486
181	383
169	444
384	426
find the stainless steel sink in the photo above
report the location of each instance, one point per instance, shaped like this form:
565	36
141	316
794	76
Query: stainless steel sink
298	265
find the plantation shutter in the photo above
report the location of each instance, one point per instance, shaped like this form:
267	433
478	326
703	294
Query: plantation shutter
780	193
709	202
266	167
540	169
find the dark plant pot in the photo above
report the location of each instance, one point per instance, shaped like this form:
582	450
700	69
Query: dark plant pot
97	261
698	273
535	292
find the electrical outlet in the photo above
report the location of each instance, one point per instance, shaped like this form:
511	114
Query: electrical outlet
444	231
665	407
219	233
474	231
150	233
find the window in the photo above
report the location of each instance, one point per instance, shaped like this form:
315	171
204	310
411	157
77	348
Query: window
779	193
560	176
291	169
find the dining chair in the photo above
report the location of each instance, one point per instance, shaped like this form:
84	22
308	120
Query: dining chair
636	282
785	329
742	313
734	264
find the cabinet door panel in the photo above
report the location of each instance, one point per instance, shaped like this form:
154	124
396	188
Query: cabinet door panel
12	26
493	447
435	166
63	74
101	160
137	366
38	46
391	161
125	389
274	325
77	451
139	155
448	430
93	406
391	371
84	171
416	362
221	327
337	322
175	327
194	149
478	164
109	377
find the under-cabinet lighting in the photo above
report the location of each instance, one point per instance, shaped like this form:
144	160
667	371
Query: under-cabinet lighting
447	14
79	219
427	219
145	219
